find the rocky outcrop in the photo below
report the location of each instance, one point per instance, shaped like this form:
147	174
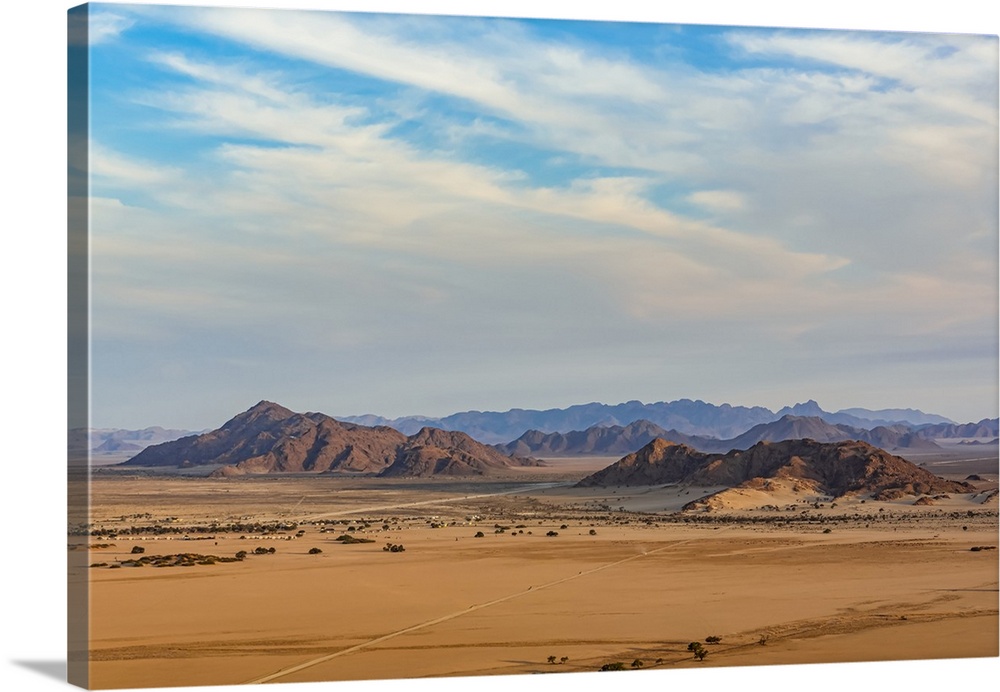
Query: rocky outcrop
835	469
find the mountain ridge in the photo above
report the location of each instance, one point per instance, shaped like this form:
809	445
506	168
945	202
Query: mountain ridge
269	438
686	416
836	469
601	440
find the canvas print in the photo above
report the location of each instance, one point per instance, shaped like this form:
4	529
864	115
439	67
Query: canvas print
417	346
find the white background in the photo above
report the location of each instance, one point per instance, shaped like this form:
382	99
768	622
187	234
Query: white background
32	443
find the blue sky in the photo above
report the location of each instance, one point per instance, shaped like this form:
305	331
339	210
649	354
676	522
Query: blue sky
405	214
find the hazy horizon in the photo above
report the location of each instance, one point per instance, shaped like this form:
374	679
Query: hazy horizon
416	215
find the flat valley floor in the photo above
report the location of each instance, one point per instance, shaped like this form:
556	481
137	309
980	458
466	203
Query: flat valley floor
622	580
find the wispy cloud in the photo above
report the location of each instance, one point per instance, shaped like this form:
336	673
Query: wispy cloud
107	25
465	184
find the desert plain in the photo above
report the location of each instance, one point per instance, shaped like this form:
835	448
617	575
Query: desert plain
521	574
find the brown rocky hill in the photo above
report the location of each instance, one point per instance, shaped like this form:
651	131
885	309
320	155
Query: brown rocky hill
268	438
432	452
836	469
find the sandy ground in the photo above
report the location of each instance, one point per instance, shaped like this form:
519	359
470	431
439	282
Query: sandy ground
897	584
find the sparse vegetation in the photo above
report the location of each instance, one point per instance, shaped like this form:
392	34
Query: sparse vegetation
699	651
618	665
714	639
175	560
393	548
349	540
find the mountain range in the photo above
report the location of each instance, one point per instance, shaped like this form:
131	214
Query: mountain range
834	469
689	417
108	440
613	440
268	438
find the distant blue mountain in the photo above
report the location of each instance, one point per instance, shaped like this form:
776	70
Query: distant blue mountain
698	418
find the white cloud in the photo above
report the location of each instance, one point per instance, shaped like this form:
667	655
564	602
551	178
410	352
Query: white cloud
105	26
722	200
845	208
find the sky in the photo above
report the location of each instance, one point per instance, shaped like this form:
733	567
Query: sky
416	214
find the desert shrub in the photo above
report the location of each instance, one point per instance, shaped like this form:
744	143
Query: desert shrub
315	551
698	650
348	540
564	659
394	548
714	639
593	532
552	659
618	665
564	527
479	534
138	549
552	533
241	554
637	663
